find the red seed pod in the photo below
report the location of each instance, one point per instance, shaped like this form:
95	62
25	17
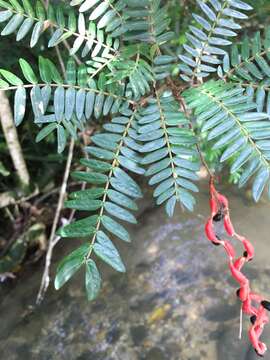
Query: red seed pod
212	190
238	264
244	292
237	275
262	316
259	347
210	232
213	206
229	249
248	308
256	297
223	200
228	225
249	248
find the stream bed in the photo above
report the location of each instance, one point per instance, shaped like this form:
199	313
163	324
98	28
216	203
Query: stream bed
176	301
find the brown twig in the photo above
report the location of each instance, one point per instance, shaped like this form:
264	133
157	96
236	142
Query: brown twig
53	240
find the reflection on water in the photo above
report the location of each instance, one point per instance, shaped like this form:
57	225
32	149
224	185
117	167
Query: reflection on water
176	302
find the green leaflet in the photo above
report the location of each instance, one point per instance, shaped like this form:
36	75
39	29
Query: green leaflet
93	193
45	131
19	105
44	70
119	212
96	165
61	139
115	228
93	178
11	78
121	199
80	228
105	250
70	265
92	280
28	71
83	204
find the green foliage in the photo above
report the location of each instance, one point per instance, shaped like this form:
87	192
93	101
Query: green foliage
232	121
26	18
120	72
147	21
113	197
171	155
248	65
63	104
218	23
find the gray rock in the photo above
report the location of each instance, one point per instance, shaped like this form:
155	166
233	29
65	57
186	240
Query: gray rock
229	346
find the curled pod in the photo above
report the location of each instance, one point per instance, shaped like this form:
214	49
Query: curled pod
244	292
249	249
210	232
237	275
228	225
238	264
229	249
223	201
248	308
213	206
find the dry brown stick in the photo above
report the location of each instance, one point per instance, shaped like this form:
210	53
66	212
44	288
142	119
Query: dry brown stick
53	240
12	140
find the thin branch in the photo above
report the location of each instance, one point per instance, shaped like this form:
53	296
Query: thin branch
53	240
60	59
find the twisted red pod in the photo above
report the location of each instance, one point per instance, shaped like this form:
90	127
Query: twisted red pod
252	304
223	200
229	249
247	245
209	231
244	292
237	275
228	225
239	263
213	206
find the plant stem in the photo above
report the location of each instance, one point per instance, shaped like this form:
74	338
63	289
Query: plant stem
53	240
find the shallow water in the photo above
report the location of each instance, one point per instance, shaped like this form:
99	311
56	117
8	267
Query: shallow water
176	302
